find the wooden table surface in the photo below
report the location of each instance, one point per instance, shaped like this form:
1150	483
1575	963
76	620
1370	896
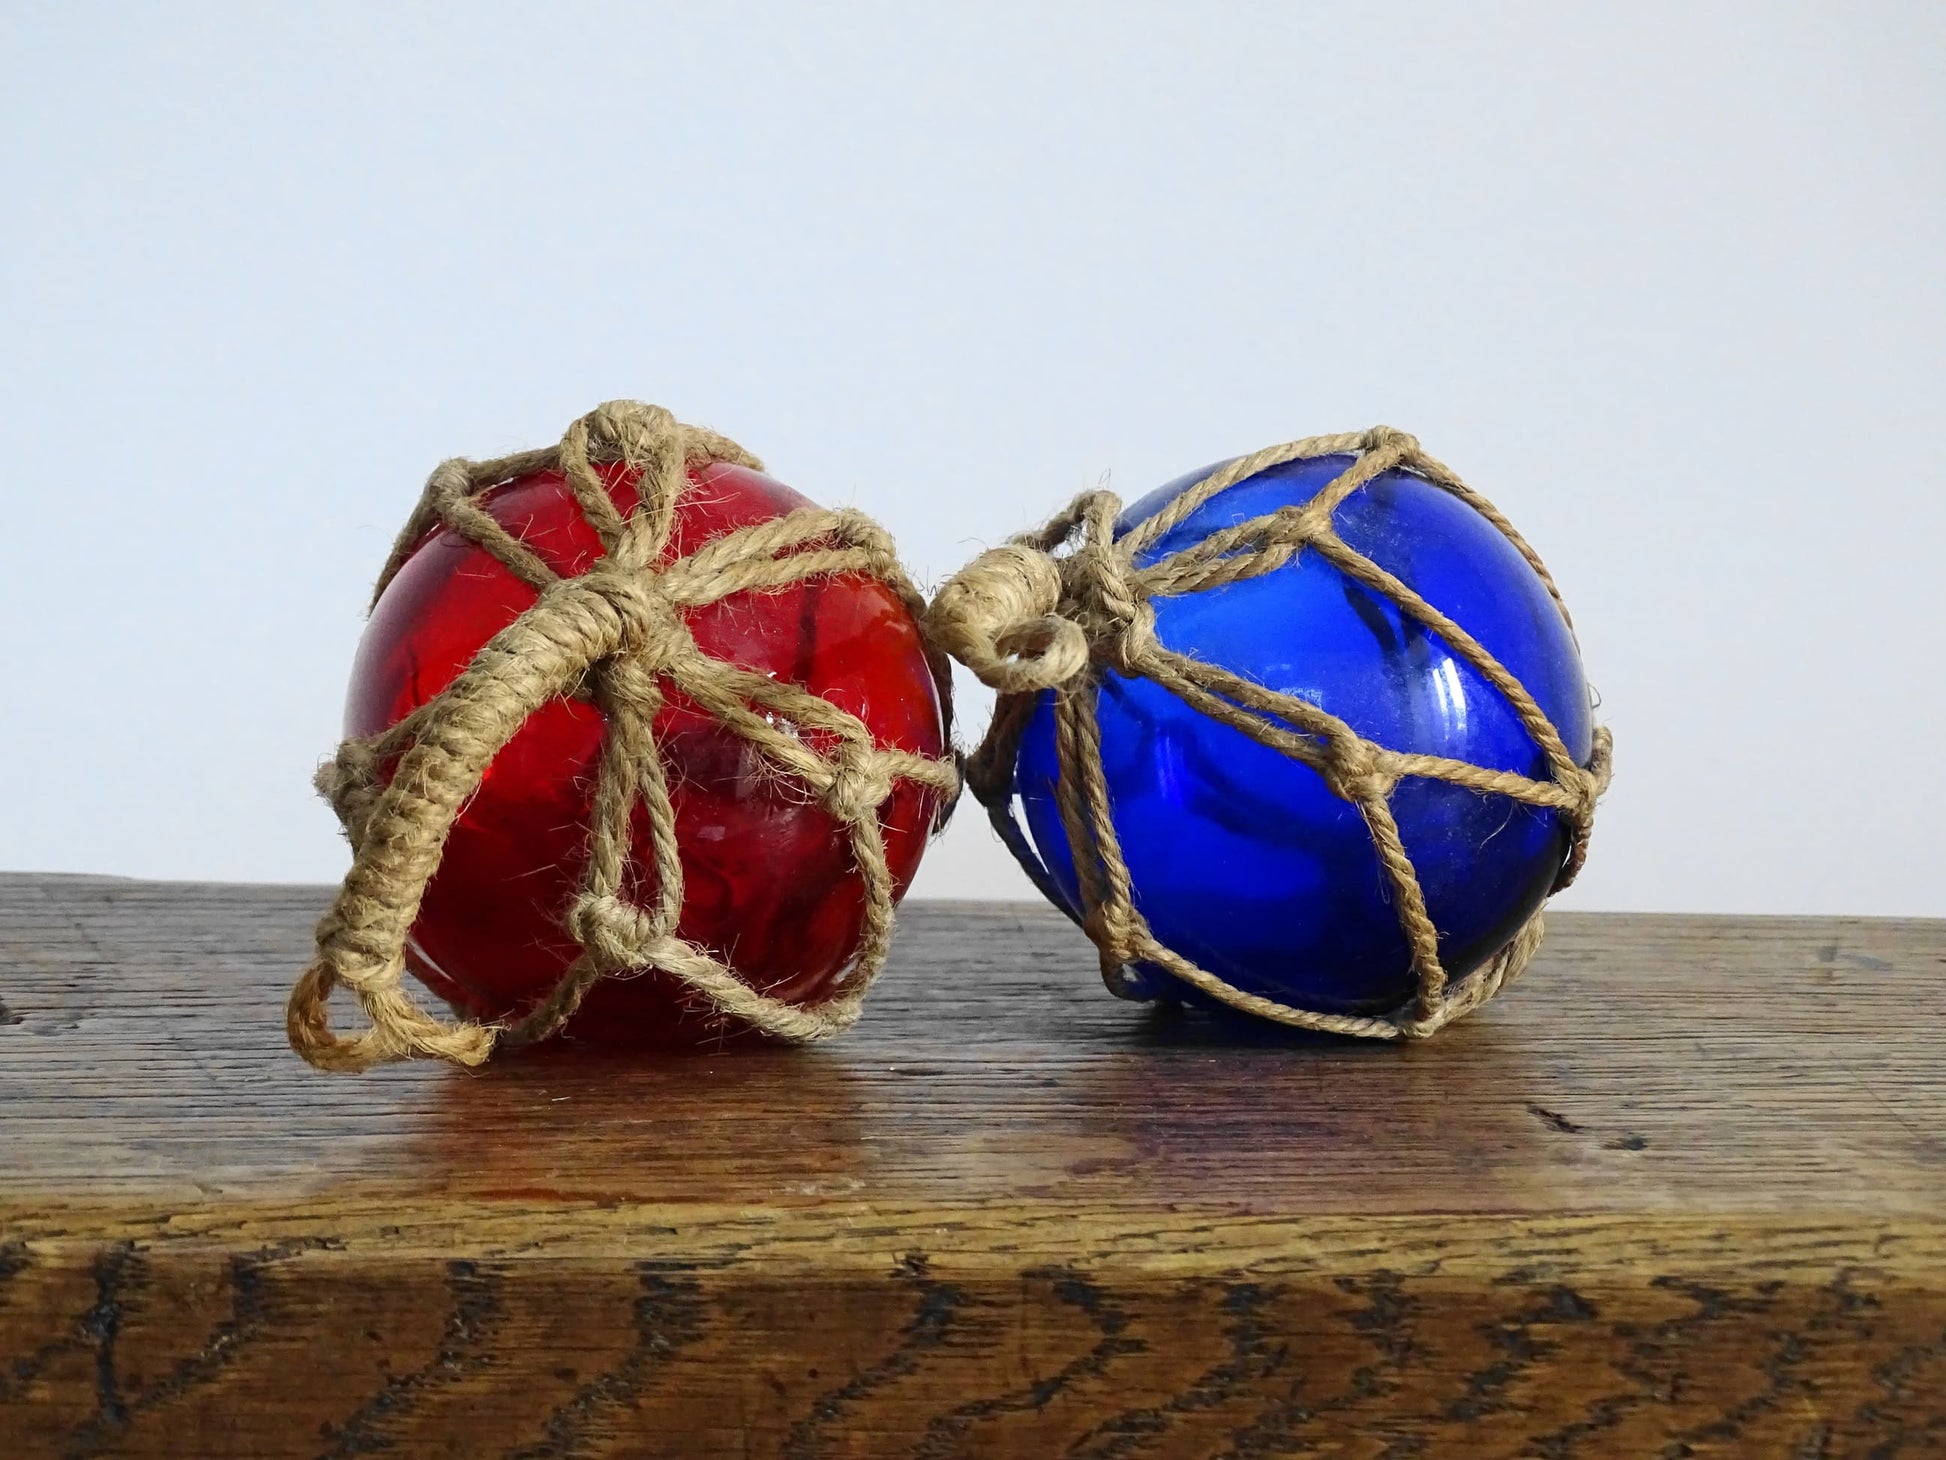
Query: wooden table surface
1680	1192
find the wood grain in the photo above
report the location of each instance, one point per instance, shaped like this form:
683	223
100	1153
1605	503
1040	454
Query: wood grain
1680	1192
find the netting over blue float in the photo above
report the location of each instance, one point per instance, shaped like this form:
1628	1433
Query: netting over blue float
1305	734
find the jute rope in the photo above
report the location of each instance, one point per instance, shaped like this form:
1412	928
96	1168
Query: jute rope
614	635
1059	608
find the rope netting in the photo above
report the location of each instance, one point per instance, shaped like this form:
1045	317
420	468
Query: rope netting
1059	608
616	636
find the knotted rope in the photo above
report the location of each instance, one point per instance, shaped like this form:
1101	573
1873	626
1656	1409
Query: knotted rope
1059	608
615	635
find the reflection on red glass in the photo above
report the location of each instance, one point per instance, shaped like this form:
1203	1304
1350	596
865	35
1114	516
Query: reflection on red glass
769	886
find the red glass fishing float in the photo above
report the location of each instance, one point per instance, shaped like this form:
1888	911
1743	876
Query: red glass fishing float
786	718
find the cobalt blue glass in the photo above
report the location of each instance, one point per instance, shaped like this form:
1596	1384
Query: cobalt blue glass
1241	859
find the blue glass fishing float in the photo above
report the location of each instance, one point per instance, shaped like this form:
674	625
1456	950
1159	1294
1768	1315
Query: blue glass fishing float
1305	733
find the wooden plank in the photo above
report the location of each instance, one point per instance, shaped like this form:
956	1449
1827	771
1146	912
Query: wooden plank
1681	1191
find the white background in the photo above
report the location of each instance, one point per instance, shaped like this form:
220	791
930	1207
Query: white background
1664	280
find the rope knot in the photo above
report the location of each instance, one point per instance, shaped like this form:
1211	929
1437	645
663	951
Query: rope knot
630	431
1356	770
1099	590
859	783
350	782
1114	615
1379	438
609	930
1112	929
652	629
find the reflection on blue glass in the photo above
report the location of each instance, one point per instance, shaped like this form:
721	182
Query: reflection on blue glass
1242	860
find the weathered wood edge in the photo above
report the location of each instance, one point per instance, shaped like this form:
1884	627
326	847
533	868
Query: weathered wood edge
1138	1242
860	1332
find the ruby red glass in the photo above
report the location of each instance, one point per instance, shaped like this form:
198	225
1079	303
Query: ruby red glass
769	886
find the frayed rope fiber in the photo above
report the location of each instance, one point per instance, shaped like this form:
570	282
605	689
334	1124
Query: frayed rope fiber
615	635
1057	609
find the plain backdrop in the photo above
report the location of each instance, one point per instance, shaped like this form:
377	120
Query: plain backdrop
1663	280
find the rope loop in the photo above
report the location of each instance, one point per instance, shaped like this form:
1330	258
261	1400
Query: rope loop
997	616
616	634
1058	608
